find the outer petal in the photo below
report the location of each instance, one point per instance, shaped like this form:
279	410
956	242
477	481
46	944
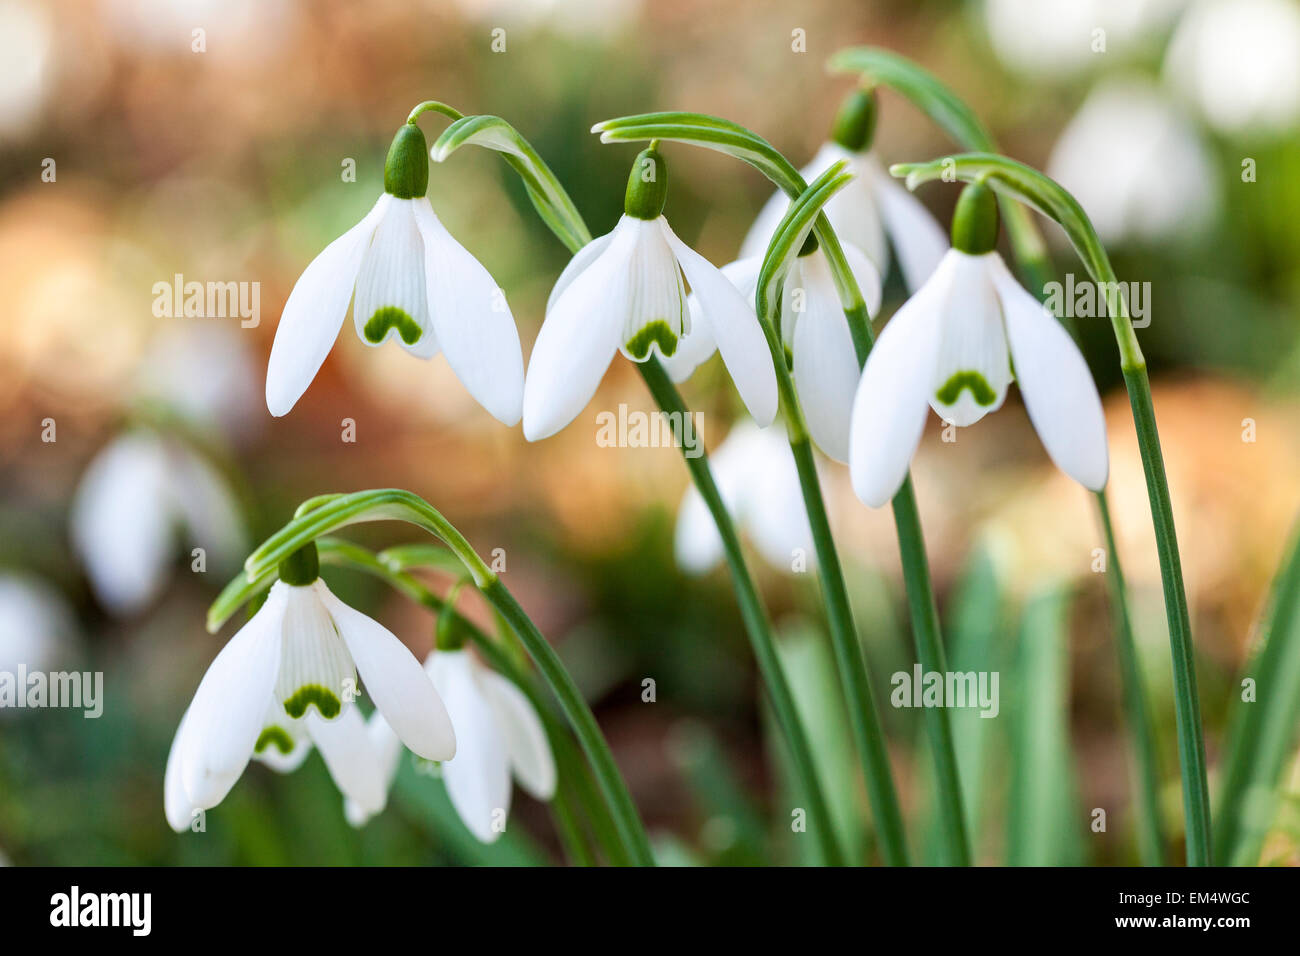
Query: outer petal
176	802
578	340
577	265
735	327
118	527
391	298
388	751
472	320
314	313
1059	392
228	711
353	762
893	396
826	371
525	737
478	779
918	240
395	681
698	346
974	366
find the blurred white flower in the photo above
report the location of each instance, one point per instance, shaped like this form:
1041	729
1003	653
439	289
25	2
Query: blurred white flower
205	372
498	735
37	628
759	484
1239	62
1059	37
132	499
1136	164
26	45
301	652
244	29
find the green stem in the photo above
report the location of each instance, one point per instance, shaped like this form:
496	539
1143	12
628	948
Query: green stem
1151	843
757	625
581	718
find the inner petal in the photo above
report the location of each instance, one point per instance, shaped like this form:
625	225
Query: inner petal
316	669
391	296
657	313
974	365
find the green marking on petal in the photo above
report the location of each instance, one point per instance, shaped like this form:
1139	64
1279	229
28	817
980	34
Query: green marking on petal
326	701
656	331
274	736
979	387
391	317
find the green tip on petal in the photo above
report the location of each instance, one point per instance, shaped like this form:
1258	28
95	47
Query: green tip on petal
975	220
391	317
406	171
326	701
658	333
979	386
647	185
276	737
855	123
302	567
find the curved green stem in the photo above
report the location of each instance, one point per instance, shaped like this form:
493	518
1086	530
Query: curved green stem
1038	191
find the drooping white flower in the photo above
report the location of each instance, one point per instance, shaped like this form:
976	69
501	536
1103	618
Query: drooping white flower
413	283
955	346
624	292
1137	166
292	670
1238	61
134	495
873	212
498	736
37	627
756	476
818	344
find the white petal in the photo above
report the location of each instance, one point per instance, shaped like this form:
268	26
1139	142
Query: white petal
867	275
698	345
395	681
1059	392
578	340
826	371
314	313
227	714
581	259
734	464
391	298
213	518
279	731
473	322
345	745
656	316
974	367
316	669
388	751
525	737
919	242
478	778
771	502
893	396
696	543
121	533
176	802
734	327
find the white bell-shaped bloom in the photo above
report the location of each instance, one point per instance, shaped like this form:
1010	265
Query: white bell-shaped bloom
1137	166
1239	62
37	628
873	212
414	283
759	484
955	346
624	292
818	344
137	491
301	652
498	735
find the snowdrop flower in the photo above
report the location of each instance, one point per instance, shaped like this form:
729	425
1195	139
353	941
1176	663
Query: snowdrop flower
873	212
291	673
759	484
818	344
956	345
413	283
624	292
498	734
134	495
36	624
1135	164
1236	60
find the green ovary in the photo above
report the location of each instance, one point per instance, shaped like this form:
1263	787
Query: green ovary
326	701
391	317
657	331
276	737
980	389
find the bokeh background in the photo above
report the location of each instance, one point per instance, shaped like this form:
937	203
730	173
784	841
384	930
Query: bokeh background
227	164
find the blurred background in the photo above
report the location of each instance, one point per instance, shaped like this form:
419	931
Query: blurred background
145	140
